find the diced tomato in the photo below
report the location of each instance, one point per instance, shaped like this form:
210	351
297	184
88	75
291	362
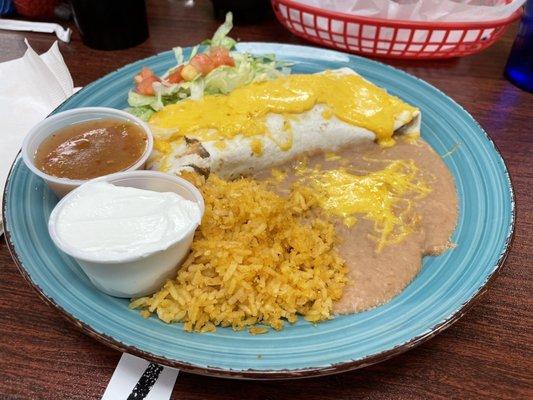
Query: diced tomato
175	76
221	56
145	86
146	72
144	80
202	63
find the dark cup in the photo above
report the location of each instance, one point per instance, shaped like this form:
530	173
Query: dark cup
519	68
111	24
244	11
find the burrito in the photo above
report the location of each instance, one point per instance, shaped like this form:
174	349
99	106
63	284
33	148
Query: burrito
262	125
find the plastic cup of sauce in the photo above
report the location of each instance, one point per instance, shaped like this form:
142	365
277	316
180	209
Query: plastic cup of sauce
128	231
72	147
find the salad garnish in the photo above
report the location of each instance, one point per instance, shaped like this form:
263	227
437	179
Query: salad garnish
214	67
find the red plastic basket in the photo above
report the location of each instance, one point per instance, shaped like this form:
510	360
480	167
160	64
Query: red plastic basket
389	38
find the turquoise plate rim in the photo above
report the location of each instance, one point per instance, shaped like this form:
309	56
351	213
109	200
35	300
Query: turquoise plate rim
282	373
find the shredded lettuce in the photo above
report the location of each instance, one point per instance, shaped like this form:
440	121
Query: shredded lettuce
247	69
197	89
142	112
178	53
138	100
194	51
222	80
221	38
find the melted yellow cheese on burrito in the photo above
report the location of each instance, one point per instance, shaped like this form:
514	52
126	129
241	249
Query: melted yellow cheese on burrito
349	97
265	124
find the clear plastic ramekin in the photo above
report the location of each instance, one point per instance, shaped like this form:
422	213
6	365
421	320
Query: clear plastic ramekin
137	276
50	125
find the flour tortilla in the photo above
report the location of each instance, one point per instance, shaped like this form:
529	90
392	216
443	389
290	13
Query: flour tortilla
310	132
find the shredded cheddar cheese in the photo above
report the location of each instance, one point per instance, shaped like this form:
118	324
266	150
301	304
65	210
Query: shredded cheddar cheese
384	197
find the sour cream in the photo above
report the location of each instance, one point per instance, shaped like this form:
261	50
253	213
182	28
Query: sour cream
108	223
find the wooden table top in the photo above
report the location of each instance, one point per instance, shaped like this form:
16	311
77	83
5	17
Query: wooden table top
487	354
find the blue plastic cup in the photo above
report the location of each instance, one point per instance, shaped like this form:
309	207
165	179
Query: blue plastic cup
6	7
519	68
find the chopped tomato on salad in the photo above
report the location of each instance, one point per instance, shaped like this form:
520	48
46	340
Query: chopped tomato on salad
145	80
216	69
199	65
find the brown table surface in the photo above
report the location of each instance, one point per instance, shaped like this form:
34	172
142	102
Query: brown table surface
487	354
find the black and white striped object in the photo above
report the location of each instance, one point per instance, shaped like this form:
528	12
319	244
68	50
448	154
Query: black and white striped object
138	379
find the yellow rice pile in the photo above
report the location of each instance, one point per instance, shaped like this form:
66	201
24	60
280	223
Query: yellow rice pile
254	260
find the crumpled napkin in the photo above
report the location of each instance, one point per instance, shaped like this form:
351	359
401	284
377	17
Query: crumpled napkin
30	88
423	10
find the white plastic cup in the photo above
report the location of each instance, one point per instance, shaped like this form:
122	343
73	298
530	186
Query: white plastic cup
137	276
49	126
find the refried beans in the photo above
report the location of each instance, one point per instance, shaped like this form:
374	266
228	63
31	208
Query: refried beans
375	277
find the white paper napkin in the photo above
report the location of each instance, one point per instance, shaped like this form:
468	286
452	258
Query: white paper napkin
137	379
423	10
30	88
